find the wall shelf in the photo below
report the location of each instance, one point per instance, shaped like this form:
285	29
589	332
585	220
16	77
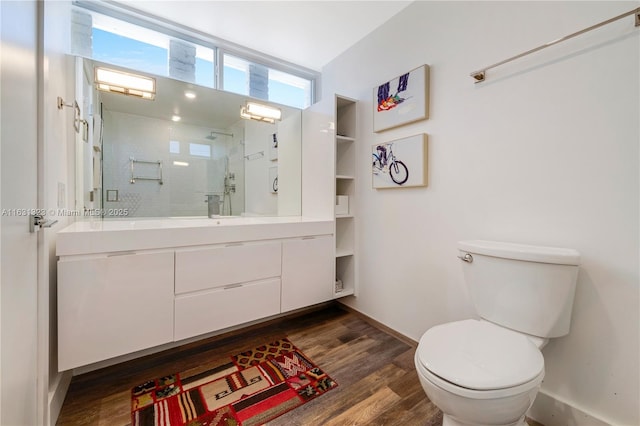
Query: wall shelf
344	293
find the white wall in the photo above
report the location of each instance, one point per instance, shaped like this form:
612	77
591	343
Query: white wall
56	184
289	166
544	152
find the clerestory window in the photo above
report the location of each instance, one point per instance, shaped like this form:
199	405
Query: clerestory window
116	41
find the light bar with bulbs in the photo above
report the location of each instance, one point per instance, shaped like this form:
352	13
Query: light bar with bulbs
124	83
260	112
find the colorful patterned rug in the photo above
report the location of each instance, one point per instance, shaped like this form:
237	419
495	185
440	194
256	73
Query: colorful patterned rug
254	387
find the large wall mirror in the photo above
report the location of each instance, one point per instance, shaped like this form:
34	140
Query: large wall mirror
186	153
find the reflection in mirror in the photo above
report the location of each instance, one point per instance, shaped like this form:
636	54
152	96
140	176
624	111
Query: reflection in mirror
185	153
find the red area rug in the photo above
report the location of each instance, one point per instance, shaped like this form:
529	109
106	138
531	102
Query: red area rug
254	387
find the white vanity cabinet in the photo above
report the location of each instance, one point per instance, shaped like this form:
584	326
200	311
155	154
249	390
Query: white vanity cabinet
131	286
307	271
113	304
225	285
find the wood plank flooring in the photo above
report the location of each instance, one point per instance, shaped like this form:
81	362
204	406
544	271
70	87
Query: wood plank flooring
377	382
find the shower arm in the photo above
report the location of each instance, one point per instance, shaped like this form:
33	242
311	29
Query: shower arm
213	132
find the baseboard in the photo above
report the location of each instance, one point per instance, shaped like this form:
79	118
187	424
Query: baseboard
550	410
57	393
409	341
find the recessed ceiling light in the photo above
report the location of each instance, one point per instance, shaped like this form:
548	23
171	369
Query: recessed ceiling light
189	94
176	118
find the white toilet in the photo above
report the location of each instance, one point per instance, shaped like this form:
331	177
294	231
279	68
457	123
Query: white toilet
488	371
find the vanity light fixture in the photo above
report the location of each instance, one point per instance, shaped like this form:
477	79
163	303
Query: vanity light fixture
180	163
125	83
176	118
260	112
189	94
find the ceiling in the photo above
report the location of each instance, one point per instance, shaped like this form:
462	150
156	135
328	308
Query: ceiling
306	33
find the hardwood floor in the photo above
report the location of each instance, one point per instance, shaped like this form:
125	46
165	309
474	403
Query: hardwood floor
377	382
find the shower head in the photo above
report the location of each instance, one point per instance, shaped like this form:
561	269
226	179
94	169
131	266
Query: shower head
213	137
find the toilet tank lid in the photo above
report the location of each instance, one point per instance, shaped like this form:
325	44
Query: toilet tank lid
556	255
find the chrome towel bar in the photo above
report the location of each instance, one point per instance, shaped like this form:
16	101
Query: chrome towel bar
480	75
133	161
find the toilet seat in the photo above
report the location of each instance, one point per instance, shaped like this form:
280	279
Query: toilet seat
476	394
478	356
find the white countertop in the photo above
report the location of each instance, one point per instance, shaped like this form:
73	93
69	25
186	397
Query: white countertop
113	235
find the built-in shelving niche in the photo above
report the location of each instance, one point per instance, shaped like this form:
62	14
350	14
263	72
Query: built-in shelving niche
345	185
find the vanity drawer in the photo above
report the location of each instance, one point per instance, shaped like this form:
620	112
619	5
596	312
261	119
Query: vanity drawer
212	310
211	267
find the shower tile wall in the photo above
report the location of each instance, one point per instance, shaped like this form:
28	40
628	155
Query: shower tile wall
260	200
236	152
184	187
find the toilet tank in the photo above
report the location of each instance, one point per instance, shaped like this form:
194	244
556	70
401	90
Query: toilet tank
525	288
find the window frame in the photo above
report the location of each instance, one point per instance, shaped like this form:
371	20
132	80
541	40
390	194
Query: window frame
223	86
220	46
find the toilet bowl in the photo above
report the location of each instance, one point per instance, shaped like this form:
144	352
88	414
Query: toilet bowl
488	372
479	373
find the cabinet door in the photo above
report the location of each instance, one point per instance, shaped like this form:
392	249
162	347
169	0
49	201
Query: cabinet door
307	272
111	305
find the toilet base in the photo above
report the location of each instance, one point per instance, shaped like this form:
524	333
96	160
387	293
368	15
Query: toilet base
449	421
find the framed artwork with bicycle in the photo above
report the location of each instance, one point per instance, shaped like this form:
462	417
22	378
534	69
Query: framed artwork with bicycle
273	179
400	163
403	100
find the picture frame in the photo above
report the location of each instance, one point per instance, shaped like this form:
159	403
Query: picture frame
273	180
402	100
400	163
273	146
